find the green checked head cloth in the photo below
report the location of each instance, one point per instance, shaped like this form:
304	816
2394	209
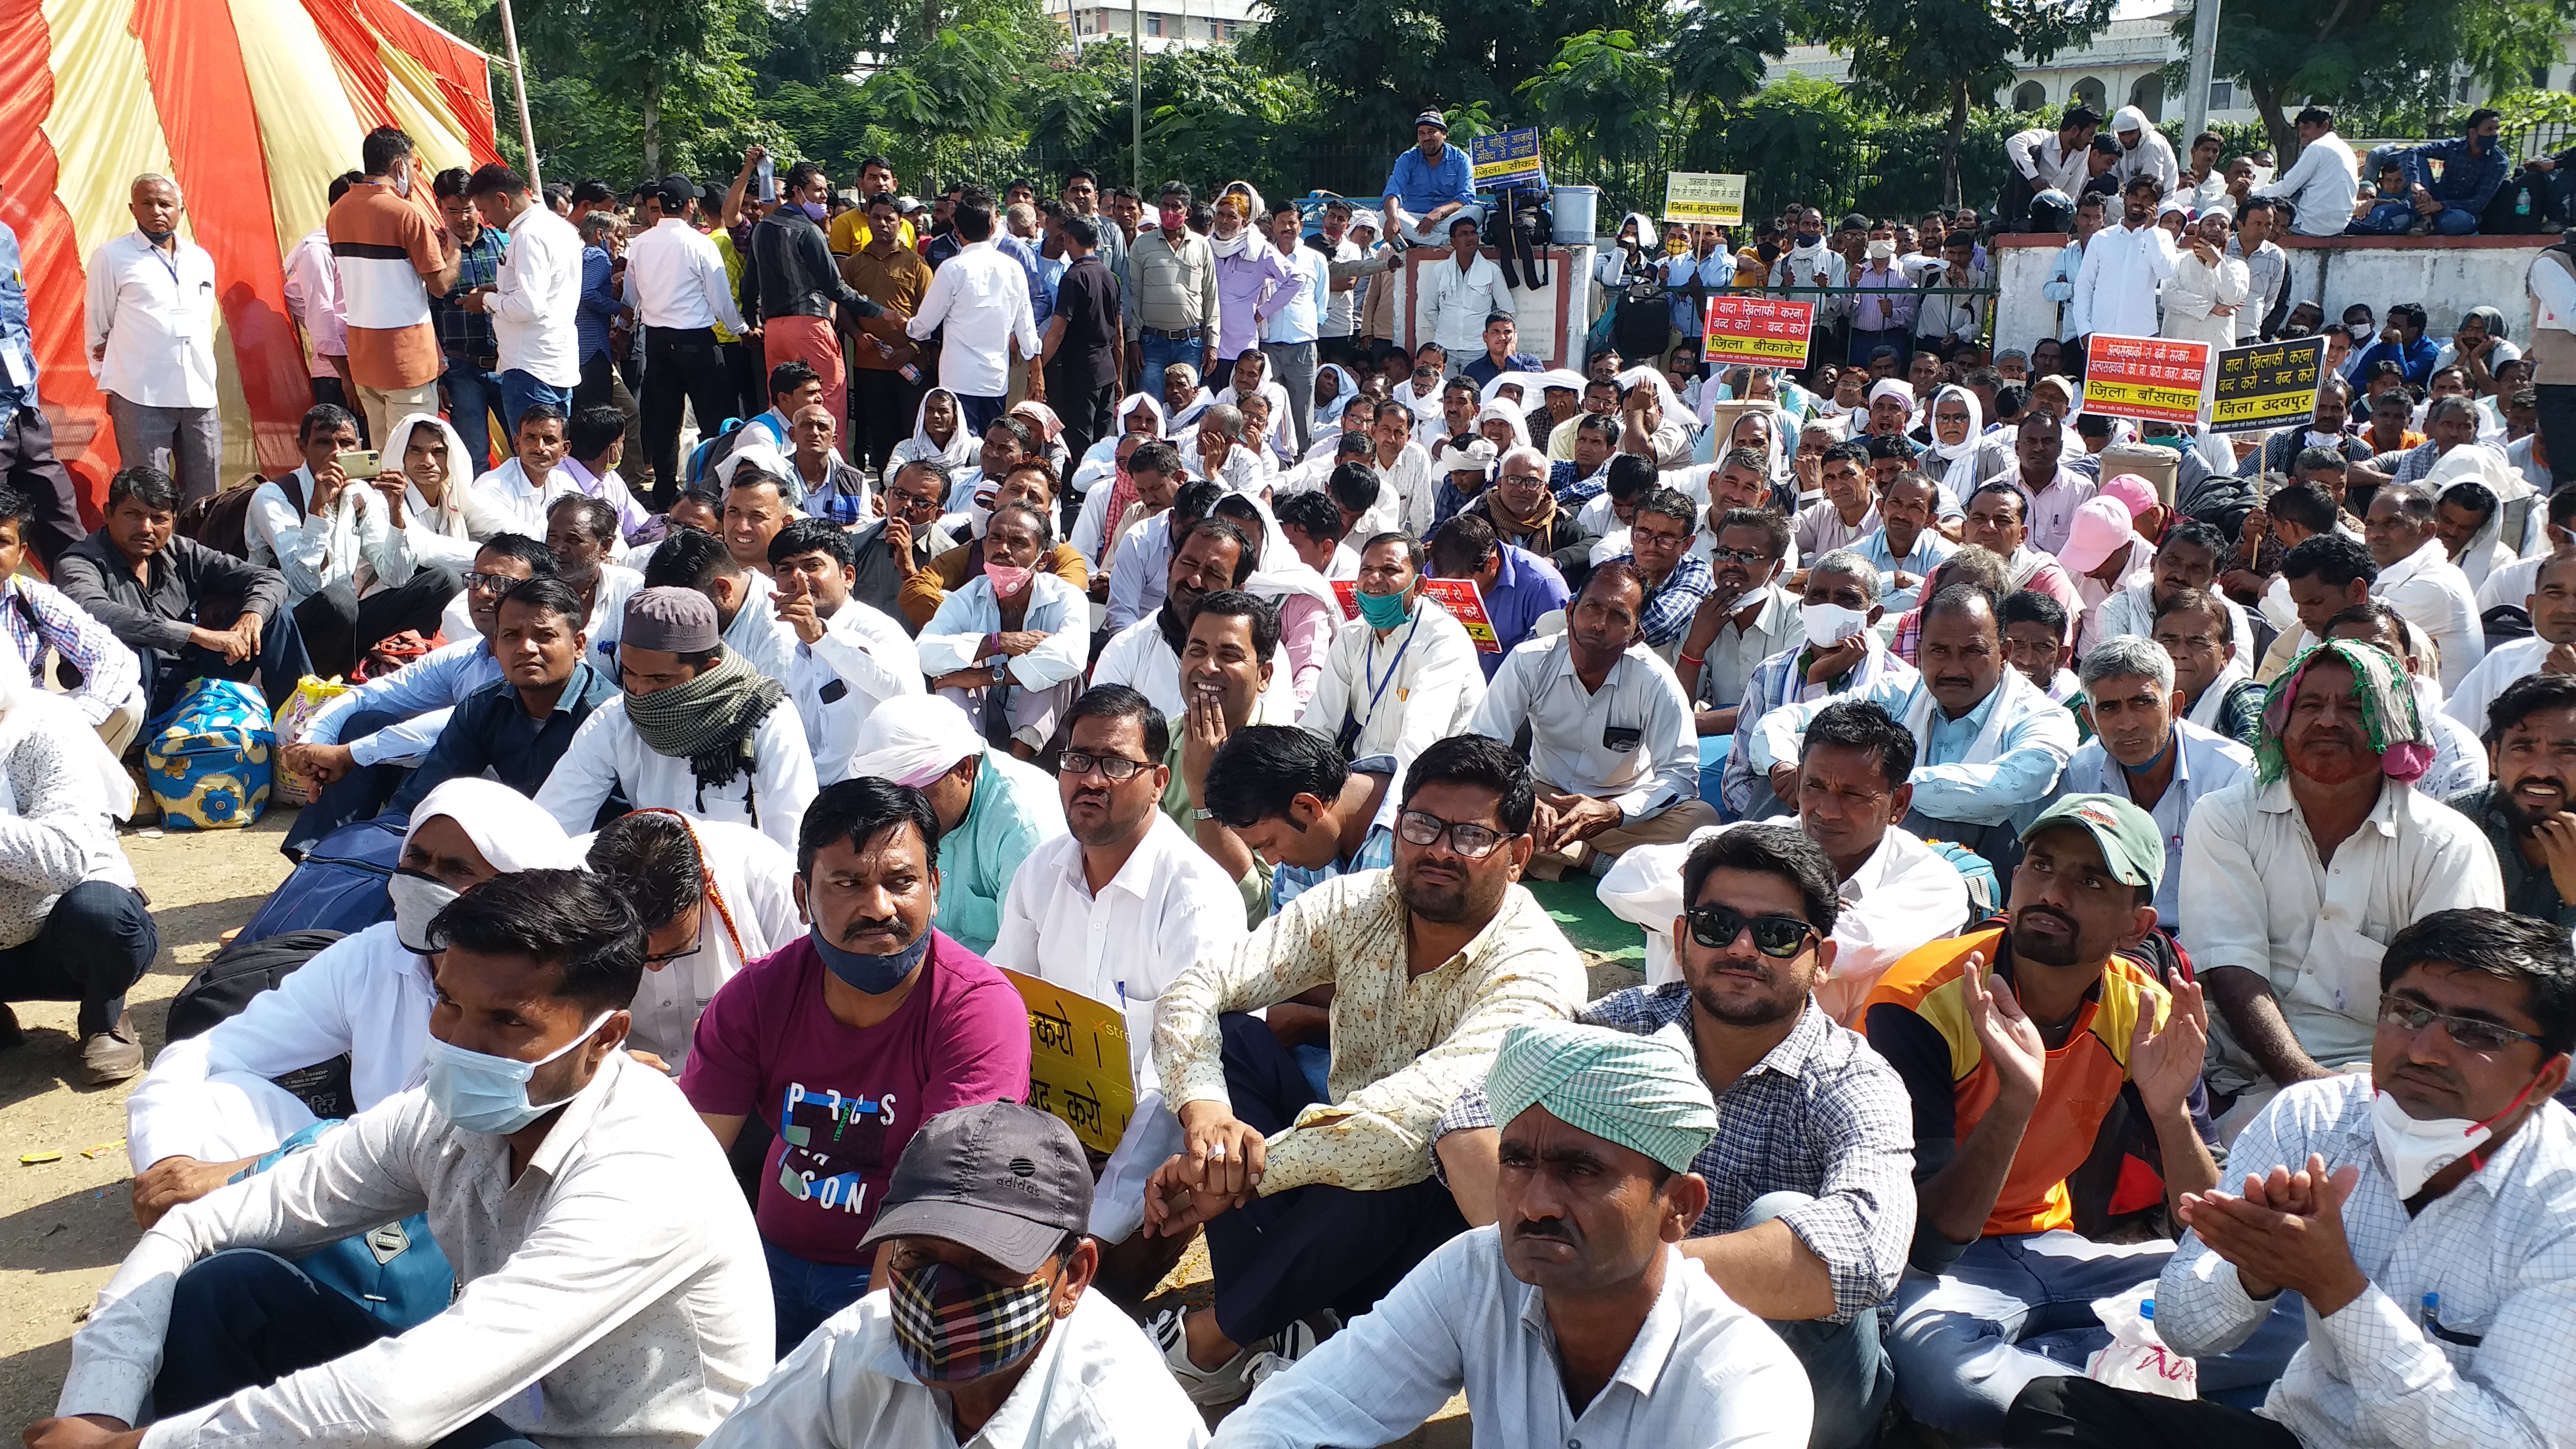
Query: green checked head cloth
1641	1092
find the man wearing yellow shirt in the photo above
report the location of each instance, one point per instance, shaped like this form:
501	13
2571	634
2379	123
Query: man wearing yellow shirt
850	229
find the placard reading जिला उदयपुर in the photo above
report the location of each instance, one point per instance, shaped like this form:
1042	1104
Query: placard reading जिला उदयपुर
1761	331
2153	379
1704	196
2267	385
1464	601
1078	1061
1507	158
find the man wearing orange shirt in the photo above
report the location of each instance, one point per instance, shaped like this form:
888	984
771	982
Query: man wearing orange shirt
2022	1049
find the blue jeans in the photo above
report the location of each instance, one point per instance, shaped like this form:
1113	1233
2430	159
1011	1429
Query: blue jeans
803	1294
244	1318
1848	1370
975	414
1162	352
473	404
97	941
2396	217
519	389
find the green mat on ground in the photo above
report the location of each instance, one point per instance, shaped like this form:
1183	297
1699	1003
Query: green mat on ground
1578	911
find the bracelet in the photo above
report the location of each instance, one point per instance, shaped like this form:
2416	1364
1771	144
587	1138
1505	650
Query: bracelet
1690	660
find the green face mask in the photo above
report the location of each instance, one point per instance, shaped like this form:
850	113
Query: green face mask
1385	611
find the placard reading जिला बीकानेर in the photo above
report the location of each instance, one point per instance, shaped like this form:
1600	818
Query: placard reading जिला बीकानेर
1464	601
2267	385
2153	379
1507	158
1760	331
1704	196
1078	1061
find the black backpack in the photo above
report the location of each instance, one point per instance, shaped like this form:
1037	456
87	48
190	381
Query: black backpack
242	971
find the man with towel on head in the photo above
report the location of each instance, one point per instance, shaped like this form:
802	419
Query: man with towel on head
1575	1319
993	807
209	1108
697	730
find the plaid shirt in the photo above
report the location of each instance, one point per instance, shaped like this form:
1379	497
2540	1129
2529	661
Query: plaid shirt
469	334
1822	1115
1668	613
39	616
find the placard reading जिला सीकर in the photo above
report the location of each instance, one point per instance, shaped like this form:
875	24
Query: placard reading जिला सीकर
1078	1061
1507	158
1760	331
1704	196
2153	379
2267	385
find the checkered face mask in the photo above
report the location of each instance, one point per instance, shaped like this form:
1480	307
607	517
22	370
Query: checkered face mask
954	1327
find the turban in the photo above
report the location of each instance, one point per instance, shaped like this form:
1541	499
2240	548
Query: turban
913	739
2388	713
1641	1092
1893	391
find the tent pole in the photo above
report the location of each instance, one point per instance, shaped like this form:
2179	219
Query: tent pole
519	84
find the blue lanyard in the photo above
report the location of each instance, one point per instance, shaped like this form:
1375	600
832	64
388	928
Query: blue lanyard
1377	688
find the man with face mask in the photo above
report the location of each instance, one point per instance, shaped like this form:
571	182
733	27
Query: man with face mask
2115	290
1746	617
524	1076
995	1317
1840	652
2353	1198
847	1041
1401	675
209	1108
2298	878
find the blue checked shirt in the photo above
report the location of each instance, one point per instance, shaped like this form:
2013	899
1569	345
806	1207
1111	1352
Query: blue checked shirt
1822	1114
1668	613
15	338
462	333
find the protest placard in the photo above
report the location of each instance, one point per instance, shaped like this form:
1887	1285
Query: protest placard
1507	158
1704	196
2267	385
1762	331
1464	601
2153	379
1079	1066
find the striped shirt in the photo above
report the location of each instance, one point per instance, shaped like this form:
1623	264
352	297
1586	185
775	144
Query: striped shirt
385	244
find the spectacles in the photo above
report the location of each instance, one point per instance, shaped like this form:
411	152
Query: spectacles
1779	937
1745	556
1118	768
1526	480
497	583
912	504
1468	839
2468	1033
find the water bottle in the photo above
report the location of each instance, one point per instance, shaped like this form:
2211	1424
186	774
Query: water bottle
911	374
768	174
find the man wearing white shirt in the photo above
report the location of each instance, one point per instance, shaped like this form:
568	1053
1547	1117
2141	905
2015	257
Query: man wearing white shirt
2551	649
713	897
2144	151
535	293
1117	909
1611	738
151	331
2319	185
1214	554
2115	289
2418	579
2045	160
514	497
1289	337
981	298
1459	292
2142	752
849	658
1401	675
350	574
591	1224
744	600
675	281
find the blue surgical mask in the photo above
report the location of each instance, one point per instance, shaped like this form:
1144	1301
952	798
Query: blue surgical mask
1385	611
488	1094
875	975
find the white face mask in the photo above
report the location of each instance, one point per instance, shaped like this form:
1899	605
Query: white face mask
417	901
2323	440
2413	1149
1830	624
1880	251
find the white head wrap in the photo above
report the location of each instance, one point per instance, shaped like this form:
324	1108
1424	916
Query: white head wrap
507	827
913	739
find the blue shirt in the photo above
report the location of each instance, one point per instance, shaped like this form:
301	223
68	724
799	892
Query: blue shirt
1716	273
1041	296
2468	180
1295	322
1930	548
491	731
1376	850
1483	370
2416	359
1421	185
1526	589
15	338
599	303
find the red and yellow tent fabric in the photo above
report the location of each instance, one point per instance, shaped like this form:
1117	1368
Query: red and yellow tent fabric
252	106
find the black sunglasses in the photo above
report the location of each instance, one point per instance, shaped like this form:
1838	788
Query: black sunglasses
1779	937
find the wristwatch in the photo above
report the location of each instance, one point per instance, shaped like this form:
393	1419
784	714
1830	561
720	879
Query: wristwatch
1198	814
1001	669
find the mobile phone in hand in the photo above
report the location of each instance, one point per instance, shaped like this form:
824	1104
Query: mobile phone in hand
360	463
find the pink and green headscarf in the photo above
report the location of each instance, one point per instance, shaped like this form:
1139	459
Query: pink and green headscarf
2388	712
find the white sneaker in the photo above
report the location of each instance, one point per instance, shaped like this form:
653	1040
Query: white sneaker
1230	1381
1284	1348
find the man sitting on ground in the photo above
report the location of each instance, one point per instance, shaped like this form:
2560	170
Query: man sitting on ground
351	579
892	549
1518	587
2143	751
1602	1135
745	601
630	1247
514	729
1310	815
1325	1204
1840	654
1211	554
714	897
849	658
993	807
2418	579
845	1042
1403	674
2531	731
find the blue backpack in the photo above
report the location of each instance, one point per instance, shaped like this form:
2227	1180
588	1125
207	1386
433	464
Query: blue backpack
340	886
207	759
396	1272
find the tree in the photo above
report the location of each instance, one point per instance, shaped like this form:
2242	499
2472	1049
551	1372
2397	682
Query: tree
677	62
1379	62
2386	55
1947	55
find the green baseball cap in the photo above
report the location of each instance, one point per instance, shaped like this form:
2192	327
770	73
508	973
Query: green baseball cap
2131	844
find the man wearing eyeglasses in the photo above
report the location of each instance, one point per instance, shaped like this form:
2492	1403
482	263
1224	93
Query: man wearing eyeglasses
1811	1198
1320	1202
891	550
2438	1312
1117	909
2021	1048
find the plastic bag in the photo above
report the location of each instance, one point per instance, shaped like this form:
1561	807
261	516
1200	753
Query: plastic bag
293	718
2137	1357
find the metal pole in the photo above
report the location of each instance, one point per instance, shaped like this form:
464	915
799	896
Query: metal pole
1136	83
519	83
2204	58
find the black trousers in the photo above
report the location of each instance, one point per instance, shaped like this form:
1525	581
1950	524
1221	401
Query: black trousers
2557	419
339	627
98	941
683	367
748	362
2060	1412
1282	1257
1084	407
883	406
281	660
244	1318
27	461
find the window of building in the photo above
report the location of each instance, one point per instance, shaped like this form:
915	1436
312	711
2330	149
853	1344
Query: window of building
2222	95
1154	25
2029	96
2148	95
2460	88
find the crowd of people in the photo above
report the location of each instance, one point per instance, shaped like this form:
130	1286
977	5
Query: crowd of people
1045	598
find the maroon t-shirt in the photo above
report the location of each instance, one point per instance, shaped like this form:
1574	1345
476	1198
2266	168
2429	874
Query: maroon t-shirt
845	1102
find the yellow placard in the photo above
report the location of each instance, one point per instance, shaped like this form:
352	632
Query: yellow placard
1078	1063
1704	196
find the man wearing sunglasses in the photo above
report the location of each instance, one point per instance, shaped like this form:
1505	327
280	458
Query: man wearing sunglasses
1811	1198
1320	1203
2021	1048
2438	1312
